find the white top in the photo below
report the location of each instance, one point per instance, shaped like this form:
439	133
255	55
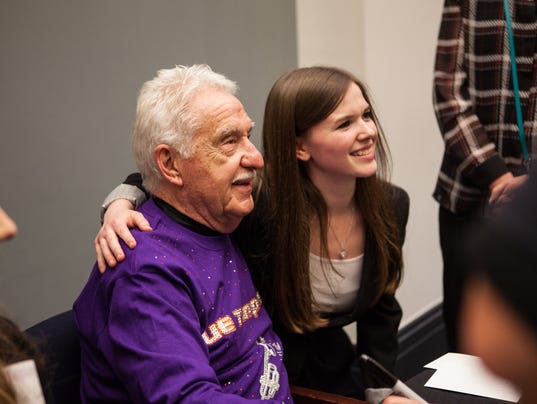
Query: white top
335	291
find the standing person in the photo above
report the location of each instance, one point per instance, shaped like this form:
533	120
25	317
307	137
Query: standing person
324	242
474	102
179	319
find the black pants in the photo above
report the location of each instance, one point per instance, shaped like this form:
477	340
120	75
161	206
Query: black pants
455	242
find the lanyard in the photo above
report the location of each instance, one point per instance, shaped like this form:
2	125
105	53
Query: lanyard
514	75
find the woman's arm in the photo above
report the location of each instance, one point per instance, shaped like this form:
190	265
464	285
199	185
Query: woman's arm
377	332
378	327
118	217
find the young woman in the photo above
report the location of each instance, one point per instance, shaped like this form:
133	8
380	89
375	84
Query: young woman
324	241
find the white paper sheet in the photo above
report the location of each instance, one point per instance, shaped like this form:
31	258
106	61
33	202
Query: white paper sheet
467	374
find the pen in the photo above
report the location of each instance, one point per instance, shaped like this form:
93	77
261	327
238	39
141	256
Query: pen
397	385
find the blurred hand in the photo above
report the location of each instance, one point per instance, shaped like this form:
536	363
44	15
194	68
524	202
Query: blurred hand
503	187
119	218
8	228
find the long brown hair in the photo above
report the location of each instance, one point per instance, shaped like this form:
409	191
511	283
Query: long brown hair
299	100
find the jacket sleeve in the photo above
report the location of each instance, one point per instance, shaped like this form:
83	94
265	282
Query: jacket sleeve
131	189
377	335
465	138
136	180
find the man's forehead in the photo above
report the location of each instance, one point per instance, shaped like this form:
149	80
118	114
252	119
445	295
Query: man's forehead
230	119
223	106
215	98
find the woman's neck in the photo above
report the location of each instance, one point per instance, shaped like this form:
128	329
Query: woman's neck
337	194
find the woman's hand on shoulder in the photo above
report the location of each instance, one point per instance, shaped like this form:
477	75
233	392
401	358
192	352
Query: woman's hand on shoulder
119	218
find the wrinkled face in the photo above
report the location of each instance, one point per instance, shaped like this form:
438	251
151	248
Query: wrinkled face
342	145
218	177
492	330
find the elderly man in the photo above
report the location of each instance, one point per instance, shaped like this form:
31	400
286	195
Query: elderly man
179	319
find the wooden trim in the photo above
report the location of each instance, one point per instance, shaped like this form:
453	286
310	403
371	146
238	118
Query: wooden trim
302	395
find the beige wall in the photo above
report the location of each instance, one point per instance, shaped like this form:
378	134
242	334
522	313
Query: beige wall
390	45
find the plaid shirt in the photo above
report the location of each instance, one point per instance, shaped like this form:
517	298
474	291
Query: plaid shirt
473	97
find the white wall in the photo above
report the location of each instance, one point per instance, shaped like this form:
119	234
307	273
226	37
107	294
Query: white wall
390	45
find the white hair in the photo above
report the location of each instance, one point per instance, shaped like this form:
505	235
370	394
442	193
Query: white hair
164	116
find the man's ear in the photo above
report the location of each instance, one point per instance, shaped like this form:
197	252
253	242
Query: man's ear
301	150
168	163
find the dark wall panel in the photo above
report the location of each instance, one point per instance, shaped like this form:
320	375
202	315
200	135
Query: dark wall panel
70	74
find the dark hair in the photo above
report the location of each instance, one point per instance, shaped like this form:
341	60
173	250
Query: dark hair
299	100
